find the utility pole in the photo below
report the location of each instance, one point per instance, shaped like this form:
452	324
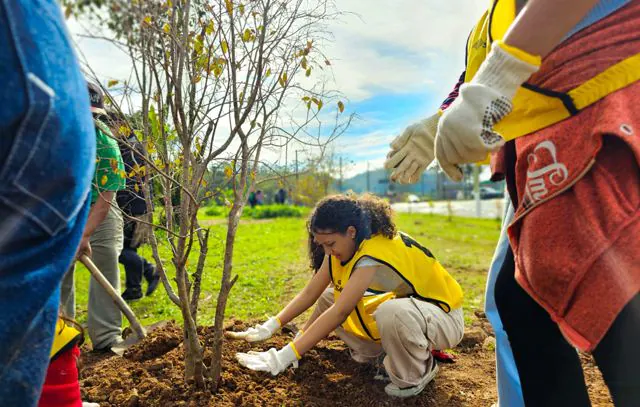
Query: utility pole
476	188
340	183
368	179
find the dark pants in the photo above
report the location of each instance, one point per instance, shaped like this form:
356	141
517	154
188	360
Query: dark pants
549	367
135	266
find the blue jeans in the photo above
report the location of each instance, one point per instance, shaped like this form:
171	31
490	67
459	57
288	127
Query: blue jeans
47	154
509	388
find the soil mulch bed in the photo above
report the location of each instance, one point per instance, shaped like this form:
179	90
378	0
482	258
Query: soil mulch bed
151	374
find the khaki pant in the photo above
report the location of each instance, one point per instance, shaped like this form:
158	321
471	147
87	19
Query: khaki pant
104	319
409	330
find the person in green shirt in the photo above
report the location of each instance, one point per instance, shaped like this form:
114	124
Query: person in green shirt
102	238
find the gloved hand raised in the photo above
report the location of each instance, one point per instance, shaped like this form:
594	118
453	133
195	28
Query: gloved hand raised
258	332
465	130
272	361
412	151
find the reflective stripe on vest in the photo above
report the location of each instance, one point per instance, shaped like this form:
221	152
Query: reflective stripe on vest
412	262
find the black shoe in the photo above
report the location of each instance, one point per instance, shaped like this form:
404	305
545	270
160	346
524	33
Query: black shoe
153	283
131	295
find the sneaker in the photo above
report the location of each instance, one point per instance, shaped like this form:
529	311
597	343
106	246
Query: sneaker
131	295
153	283
394	391
111	347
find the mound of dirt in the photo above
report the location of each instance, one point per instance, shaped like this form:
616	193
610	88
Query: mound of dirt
152	374
157	343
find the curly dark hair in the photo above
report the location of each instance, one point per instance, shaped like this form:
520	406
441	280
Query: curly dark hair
368	214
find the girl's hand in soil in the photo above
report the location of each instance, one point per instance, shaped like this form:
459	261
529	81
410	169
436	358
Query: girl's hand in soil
272	361
258	332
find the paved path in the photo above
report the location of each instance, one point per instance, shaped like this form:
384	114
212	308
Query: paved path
490	208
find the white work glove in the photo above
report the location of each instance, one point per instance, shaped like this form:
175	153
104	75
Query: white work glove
272	361
465	130
412	151
258	332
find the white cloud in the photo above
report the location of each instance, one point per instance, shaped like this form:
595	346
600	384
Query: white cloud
397	45
400	45
387	46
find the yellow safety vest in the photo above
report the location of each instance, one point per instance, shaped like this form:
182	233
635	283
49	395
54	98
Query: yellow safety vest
64	338
412	262
535	108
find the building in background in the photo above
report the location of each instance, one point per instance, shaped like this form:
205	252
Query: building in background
432	186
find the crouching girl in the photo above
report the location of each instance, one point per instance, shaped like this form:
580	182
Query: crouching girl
383	293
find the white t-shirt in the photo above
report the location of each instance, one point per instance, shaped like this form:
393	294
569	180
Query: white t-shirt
384	279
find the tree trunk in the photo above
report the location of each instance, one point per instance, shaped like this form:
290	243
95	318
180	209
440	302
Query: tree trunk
193	365
225	287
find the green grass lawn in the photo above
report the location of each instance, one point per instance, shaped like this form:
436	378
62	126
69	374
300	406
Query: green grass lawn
270	258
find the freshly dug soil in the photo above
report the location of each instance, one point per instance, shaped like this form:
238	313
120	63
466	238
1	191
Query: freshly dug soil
151	374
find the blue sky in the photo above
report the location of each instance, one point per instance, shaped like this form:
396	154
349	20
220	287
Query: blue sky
393	60
403	58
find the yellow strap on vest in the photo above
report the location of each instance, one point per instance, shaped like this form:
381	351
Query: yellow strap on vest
537	108
614	78
64	336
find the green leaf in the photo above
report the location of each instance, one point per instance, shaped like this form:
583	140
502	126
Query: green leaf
198	46
341	107
155	125
283	79
112	82
225	47
246	36
210	28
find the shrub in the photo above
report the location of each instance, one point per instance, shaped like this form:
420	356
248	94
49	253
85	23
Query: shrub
273	211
